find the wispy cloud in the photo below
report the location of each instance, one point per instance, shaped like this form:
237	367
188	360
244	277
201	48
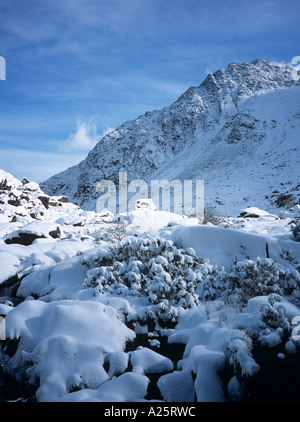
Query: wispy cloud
85	136
56	156
83	139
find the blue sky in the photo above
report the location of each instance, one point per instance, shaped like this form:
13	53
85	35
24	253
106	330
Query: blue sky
76	69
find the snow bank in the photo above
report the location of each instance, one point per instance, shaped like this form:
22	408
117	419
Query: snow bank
210	344
9	266
147	217
221	246
256	303
177	386
146	361
65	343
206	363
118	363
56	281
128	387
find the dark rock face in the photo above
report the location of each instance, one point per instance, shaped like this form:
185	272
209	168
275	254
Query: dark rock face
44	200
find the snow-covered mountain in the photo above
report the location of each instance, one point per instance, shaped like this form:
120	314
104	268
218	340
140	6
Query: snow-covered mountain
238	131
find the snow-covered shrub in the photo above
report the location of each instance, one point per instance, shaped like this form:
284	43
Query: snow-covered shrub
115	232
240	357
171	277
274	322
261	276
213	281
154	268
248	278
210	216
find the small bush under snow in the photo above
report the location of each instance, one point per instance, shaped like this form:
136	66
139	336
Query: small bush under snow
154	268
274	322
174	277
249	278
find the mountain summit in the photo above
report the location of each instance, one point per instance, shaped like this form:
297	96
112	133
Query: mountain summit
238	131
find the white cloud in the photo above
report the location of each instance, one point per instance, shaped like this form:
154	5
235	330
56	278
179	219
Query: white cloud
85	136
38	165
83	139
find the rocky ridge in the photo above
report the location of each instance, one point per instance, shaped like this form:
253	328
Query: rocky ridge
238	131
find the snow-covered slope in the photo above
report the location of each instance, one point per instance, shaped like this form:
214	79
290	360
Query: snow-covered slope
238	131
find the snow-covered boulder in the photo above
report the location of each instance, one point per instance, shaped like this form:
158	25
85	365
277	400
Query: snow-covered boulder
64	343
146	361
254	212
8	181
32	231
146	203
128	387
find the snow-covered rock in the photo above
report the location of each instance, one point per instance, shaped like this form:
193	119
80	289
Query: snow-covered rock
28	233
128	387
67	342
146	361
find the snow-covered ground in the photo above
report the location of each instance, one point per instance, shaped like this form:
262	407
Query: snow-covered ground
104	306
